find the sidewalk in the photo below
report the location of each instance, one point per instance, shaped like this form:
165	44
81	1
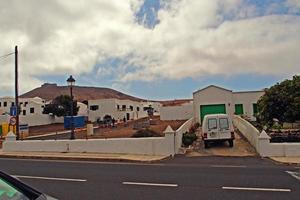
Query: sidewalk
83	156
287	160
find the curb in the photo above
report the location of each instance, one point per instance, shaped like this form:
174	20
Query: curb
283	163
70	158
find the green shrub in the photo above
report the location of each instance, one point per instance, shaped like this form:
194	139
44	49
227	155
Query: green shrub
145	133
188	138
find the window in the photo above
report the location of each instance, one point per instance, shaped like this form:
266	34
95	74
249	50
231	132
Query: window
118	107
94	107
131	108
31	110
239	110
224	123
12	104
4	104
212	123
9	191
25	104
255	109
0	104
137	108
123	107
24	112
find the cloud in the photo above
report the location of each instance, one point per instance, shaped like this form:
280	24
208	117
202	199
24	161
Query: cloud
294	3
191	39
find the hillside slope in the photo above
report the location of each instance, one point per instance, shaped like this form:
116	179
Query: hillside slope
50	91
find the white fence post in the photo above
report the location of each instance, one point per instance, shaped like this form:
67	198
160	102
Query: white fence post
263	144
170	136
10	136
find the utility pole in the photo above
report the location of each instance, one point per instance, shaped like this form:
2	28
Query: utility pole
16	93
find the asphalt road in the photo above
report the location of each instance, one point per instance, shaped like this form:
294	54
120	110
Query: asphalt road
179	178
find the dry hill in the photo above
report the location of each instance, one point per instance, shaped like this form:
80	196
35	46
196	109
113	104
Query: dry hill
50	91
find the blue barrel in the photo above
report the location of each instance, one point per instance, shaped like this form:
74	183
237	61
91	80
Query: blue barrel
78	122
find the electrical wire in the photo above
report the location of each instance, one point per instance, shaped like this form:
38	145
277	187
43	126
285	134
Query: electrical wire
6	55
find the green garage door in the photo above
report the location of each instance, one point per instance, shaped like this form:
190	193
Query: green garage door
212	109
239	110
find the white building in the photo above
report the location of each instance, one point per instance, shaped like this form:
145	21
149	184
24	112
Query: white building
182	111
214	99
31	111
116	108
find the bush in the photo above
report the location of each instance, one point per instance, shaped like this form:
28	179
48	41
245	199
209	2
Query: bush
145	133
188	138
194	128
285	137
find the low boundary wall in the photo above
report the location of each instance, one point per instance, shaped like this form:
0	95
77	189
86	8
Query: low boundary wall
167	145
180	131
145	146
261	141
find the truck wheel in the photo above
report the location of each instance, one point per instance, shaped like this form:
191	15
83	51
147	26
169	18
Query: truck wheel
230	143
205	145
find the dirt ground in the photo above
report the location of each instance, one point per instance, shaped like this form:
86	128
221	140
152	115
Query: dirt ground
121	130
241	148
127	130
44	129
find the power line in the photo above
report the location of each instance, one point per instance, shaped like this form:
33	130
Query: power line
6	55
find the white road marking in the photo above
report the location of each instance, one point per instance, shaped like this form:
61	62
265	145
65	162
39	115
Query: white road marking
150	184
50	178
294	174
229	166
257	189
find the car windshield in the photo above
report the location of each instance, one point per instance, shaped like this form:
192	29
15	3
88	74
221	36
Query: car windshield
224	123
10	193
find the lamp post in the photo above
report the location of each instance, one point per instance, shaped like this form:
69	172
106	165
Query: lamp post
71	83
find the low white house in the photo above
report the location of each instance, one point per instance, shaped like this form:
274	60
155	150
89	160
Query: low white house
116	108
31	111
214	99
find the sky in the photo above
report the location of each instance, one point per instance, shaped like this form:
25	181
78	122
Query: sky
154	49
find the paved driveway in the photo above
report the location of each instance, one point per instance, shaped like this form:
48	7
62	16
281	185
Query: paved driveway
241	148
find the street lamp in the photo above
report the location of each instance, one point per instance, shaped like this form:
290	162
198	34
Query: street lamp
71	83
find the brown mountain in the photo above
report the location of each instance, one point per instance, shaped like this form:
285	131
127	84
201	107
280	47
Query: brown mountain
49	91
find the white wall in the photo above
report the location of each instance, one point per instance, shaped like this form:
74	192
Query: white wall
4	119
180	131
32	119
212	95
247	129
215	95
83	109
180	112
168	145
109	107
261	141
247	99
37	119
9	101
144	146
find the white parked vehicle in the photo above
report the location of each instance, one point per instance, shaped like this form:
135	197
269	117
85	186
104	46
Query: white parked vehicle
217	127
